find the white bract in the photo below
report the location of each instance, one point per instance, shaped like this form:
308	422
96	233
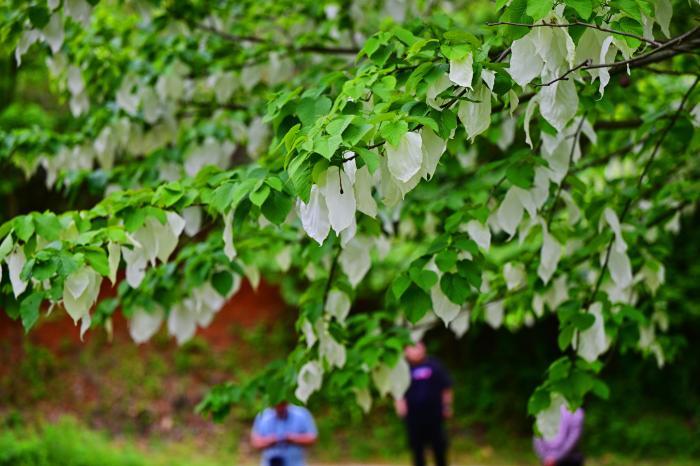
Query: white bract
144	324
80	292
442	306
338	305
461	71
592	342
405	159
340	199
476	115
355	260
549	420
309	380
15	262
314	215
392	380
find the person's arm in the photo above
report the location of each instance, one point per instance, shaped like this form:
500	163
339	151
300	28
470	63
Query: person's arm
401	407
307	434
447	398
260	442
303	440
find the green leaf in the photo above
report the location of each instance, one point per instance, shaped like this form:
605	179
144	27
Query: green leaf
423	278
29	309
327	145
97	258
39	16
222	282
521	175
277	207
393	131
446	260
400	285
6	247
583	8
538	401
471	272
310	109
48	226
415	303
259	196
455	287
24	227
538	9
370	158
582	321
565	337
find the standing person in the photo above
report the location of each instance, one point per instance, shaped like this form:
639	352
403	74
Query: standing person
563	448
426	405
282	433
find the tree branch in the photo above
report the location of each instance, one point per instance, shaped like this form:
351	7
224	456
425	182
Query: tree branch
577	135
577	23
644	173
563	77
290	47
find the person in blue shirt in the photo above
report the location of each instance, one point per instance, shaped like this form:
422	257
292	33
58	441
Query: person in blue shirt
282	433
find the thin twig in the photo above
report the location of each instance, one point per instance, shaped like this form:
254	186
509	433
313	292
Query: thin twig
563	77
645	170
257	40
577	23
577	135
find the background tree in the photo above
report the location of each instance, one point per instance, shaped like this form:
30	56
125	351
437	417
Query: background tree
393	157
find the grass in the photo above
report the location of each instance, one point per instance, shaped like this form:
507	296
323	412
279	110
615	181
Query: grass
69	443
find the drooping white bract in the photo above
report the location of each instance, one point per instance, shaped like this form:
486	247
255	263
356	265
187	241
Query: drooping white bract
460	324
476	116
433	148
507	133
355	260
596	47
182	323
481	234
79	10
663	11
619	263
26	40
229	248
549	256
592	342
309	380
284	258
314	215
80	291
405	159
363	398
349	165
510	212
394	380
558	103
309	334
654	275
15	262
461	71
193	220
363	192
329	349
435	89
144	324
340	199
494	313
337	305
53	32
442	306
515	275
549	419
113	258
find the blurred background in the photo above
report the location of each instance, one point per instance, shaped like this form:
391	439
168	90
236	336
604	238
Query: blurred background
106	401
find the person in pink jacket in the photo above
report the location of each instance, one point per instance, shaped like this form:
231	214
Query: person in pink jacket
563	448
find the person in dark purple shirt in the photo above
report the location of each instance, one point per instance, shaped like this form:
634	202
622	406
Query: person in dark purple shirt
426	405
